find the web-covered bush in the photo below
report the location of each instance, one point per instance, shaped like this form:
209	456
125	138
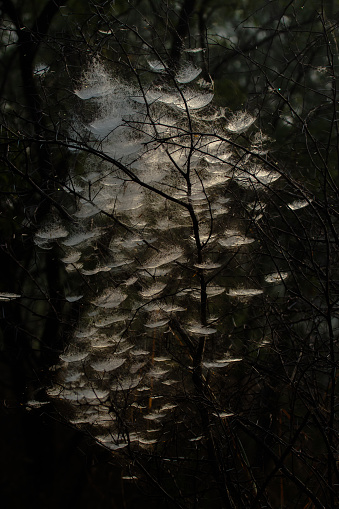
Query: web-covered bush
162	254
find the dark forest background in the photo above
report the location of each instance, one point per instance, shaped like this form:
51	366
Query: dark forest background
276	59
